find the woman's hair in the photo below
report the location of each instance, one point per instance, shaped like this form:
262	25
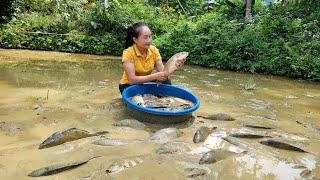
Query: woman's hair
133	31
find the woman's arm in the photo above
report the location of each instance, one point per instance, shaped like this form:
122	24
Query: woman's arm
133	79
159	65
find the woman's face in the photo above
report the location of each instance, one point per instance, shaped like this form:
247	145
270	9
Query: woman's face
144	39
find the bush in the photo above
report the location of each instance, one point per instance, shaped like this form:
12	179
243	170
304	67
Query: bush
6	10
280	40
274	43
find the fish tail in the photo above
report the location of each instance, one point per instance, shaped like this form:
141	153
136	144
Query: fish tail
205	117
95	157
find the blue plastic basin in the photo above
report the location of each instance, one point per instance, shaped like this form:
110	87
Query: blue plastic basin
163	89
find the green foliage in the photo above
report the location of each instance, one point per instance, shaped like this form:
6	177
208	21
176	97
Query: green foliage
6	10
68	26
279	41
105	44
185	7
119	16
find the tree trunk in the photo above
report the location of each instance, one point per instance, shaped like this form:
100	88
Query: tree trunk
165	3
248	15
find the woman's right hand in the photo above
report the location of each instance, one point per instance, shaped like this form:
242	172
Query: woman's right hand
161	76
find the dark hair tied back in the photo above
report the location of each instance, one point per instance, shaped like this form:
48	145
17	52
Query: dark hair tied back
133	32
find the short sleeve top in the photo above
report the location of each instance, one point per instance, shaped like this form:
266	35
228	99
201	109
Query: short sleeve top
142	65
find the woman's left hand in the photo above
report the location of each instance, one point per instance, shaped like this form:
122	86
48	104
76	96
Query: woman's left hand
179	62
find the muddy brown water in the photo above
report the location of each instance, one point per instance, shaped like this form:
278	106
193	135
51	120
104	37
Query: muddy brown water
45	92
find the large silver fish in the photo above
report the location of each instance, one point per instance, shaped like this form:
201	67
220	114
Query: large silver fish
110	142
281	145
215	156
170	66
202	133
71	134
218	116
57	168
165	134
133	123
121	165
173	147
246	133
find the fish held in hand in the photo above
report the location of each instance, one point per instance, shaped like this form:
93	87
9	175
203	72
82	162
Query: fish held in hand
170	66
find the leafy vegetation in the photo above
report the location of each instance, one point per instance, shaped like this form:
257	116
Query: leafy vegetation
6	10
278	39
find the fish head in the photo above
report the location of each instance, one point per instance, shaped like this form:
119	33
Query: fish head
137	99
114	168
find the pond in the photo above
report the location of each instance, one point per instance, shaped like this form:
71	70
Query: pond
46	92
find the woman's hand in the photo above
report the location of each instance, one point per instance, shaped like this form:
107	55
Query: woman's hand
161	76
179	62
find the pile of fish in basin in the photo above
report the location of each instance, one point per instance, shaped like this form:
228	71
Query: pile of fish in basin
161	102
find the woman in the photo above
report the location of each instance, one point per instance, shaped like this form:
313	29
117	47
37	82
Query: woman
140	57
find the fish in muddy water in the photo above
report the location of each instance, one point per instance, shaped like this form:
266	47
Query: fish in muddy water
161	102
133	123
71	134
238	143
245	133
57	168
257	126
308	125
218	116
194	172
281	145
248	135
110	142
215	156
118	166
165	134
173	147
202	133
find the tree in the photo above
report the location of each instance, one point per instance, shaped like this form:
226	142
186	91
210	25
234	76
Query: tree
6	10
248	9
